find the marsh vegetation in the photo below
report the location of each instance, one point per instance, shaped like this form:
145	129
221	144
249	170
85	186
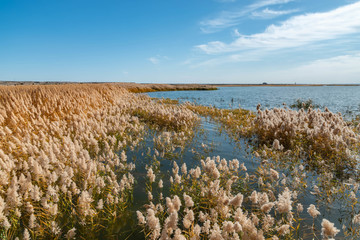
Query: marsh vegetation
101	162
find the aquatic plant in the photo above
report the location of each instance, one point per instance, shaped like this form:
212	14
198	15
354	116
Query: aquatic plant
218	200
304	104
324	139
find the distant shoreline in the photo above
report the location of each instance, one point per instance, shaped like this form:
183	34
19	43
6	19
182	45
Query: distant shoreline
281	85
132	87
149	87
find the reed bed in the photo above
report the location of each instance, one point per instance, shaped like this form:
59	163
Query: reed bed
316	152
142	88
66	170
321	138
63	164
219	199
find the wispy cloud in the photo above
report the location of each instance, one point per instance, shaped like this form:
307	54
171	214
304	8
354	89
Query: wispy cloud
268	13
225	1
236	33
268	3
231	18
296	31
154	60
250	56
336	65
157	59
339	69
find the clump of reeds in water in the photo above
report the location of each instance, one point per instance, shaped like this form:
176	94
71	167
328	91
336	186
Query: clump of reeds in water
217	200
304	104
322	137
285	139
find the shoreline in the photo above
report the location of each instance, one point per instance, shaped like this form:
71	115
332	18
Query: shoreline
131	87
158	87
282	85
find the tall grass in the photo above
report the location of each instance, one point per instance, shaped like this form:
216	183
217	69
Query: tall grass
61	171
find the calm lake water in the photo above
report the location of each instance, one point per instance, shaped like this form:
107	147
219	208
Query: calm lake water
344	99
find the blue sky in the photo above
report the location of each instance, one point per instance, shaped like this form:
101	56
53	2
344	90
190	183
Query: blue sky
178	41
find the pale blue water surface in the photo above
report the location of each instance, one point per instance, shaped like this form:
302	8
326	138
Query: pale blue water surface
343	99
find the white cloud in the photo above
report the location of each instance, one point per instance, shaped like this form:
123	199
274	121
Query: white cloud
339	69
296	31
268	13
157	59
268	3
340	65
154	60
231	18
236	33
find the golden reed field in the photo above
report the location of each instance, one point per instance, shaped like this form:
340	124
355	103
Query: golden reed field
65	171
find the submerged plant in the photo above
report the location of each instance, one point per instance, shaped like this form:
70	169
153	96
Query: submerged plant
304	104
